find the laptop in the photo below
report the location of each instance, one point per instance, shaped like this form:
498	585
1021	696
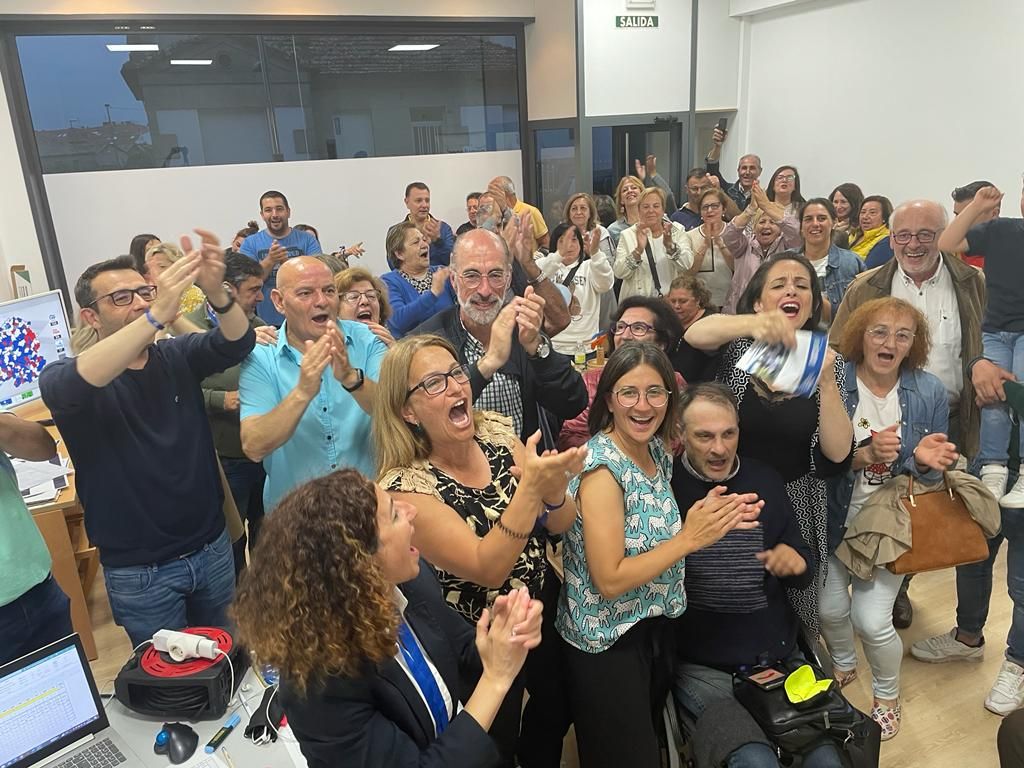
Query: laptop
51	714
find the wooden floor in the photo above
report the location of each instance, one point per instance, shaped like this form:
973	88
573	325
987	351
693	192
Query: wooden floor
945	724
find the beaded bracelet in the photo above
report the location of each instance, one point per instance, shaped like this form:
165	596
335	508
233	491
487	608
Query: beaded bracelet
509	532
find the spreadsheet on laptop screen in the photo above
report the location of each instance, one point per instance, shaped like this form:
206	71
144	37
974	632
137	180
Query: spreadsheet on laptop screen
42	703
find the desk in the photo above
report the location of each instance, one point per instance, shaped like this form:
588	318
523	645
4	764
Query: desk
62	523
139	731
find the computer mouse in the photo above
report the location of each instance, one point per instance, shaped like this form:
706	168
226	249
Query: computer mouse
178	741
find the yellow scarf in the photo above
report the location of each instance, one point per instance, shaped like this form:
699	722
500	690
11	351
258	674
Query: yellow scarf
868	240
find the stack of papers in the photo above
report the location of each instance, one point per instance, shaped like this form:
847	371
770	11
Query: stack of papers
41	481
795	370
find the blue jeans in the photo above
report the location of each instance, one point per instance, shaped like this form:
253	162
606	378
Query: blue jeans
246	478
974	585
37	618
1007	351
193	590
697	686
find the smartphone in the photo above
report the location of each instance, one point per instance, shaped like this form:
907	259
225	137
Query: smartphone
768	679
723	123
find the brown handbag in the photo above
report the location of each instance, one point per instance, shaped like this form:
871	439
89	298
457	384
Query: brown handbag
943	532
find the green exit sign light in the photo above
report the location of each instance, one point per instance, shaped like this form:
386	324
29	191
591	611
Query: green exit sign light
636	22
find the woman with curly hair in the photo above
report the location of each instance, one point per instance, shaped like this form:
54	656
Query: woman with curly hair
485	504
364	299
370	656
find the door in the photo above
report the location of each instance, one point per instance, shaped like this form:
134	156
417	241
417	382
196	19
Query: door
617	148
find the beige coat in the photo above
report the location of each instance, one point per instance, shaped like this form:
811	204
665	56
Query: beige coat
880	533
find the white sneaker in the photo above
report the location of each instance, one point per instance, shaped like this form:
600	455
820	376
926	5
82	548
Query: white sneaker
943	648
1007	692
1014	498
994	477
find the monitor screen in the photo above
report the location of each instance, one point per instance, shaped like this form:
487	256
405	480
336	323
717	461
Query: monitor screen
45	702
33	332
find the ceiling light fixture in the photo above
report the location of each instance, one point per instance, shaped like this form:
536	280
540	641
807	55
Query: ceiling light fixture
414	47
123	47
192	62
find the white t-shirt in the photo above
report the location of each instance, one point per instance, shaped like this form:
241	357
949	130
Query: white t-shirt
592	279
714	271
820	266
873	414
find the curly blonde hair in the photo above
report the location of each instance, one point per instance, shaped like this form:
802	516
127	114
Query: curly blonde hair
314	602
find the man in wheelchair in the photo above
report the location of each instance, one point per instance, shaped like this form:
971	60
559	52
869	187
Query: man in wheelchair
738	620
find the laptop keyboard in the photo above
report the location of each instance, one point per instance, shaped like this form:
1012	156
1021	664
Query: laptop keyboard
99	755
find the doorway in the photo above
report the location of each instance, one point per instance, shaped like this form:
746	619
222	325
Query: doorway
616	148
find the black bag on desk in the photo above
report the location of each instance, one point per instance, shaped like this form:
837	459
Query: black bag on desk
828	718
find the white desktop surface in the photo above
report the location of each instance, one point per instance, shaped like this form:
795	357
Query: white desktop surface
139	732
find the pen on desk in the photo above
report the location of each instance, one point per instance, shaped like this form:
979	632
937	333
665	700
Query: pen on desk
227	758
223	733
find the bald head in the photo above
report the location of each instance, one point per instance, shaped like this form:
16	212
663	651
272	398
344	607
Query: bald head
480	242
301	268
932	211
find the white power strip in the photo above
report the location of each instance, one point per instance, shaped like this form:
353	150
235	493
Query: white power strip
182	645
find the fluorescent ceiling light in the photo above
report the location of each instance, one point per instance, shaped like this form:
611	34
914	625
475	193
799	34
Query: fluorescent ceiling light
120	47
192	62
414	47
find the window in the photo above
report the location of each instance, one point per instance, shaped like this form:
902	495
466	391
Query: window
209	99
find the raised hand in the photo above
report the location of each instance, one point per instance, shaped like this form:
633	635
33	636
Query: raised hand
171	286
666	235
431	228
315	359
782	561
711	518
988	200
936	452
773	327
718	137
529	318
549	472
651	165
528	631
885	445
497	191
277	254
713	180
439	280
211	269
355	250
642	233
592	241
641	170
339	357
759	196
499	348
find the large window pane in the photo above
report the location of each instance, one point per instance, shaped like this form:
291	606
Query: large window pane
215	99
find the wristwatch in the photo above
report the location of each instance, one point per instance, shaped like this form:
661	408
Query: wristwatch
360	378
226	308
543	349
538	280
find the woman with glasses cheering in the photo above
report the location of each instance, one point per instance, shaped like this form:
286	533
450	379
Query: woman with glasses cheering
364	299
712	258
623	560
651	252
416	289
900	415
483	499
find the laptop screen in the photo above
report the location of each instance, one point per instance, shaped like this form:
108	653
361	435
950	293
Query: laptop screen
48	700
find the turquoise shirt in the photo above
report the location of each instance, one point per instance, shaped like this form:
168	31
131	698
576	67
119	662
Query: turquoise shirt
24	558
585	619
333	432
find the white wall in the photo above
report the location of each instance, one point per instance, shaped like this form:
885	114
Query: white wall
927	98
551	61
718	56
626	69
96	214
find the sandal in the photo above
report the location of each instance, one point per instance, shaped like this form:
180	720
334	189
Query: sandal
844	677
888	718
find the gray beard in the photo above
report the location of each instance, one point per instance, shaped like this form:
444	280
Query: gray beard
483	317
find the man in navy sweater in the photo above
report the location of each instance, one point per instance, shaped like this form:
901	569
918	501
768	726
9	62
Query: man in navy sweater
131	413
737	614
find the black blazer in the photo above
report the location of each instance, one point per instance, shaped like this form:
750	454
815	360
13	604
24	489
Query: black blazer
378	718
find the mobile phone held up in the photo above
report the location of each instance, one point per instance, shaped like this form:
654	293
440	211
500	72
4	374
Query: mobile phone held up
723	124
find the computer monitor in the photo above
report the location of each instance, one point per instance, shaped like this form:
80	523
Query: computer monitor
33	332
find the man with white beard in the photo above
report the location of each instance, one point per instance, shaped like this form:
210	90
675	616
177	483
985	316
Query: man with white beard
512	367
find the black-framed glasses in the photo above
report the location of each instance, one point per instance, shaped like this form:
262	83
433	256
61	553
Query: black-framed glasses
352	297
880	334
436	383
924	236
627	397
125	296
638	329
495	278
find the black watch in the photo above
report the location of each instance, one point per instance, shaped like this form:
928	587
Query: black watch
359	381
226	308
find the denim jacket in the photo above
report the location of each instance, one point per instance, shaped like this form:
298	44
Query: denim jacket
843	266
924	406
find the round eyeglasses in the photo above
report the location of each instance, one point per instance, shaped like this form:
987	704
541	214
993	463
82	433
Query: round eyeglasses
627	397
638	329
880	334
352	297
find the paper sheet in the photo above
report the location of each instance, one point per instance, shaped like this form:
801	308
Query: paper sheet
33	473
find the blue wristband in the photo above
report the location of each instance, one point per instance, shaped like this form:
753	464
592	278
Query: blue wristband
153	321
548	508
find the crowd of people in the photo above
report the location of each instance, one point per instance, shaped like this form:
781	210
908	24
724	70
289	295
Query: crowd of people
527	461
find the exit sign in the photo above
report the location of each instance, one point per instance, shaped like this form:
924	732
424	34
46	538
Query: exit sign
636	22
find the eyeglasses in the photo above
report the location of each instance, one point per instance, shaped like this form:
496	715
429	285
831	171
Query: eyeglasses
436	383
638	329
711	207
786	177
627	397
880	334
352	297
924	236
496	279
126	296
